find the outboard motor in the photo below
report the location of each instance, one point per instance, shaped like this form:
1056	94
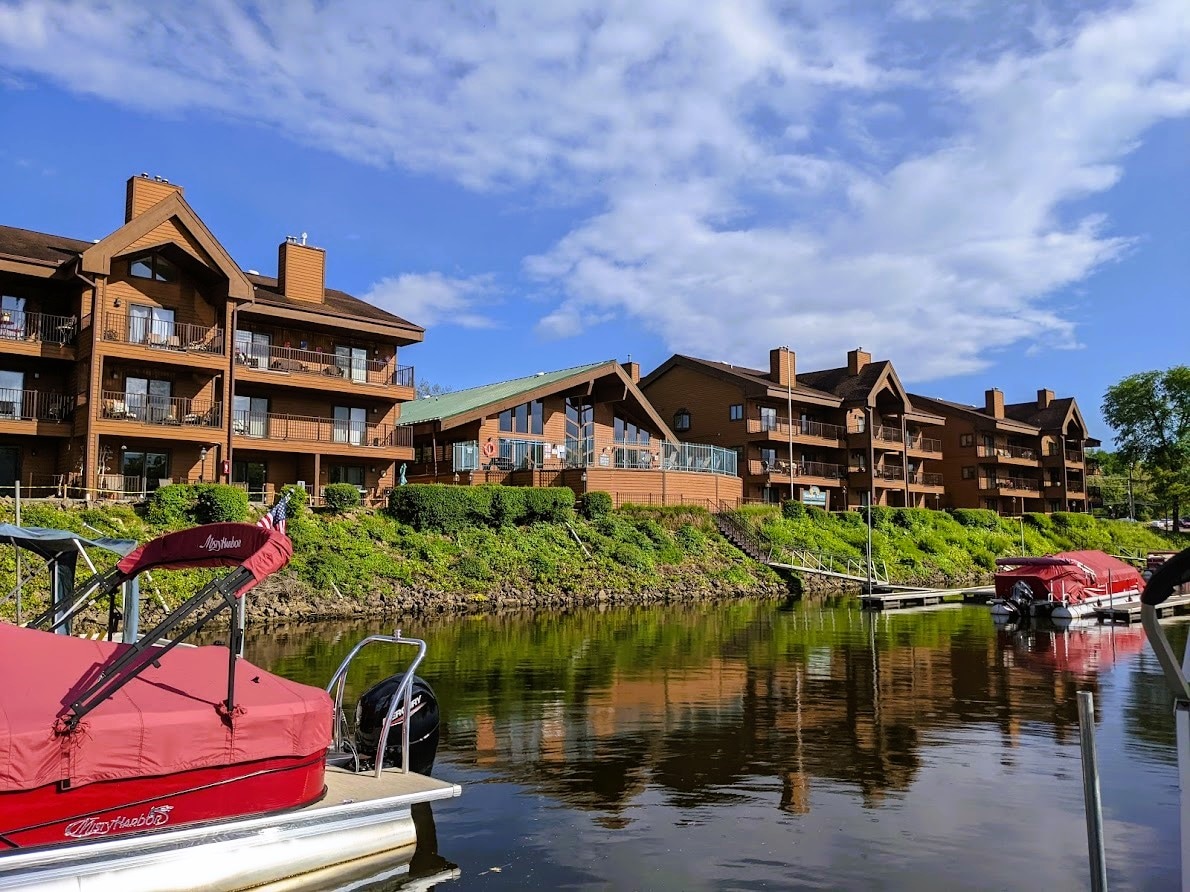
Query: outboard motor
371	711
1021	597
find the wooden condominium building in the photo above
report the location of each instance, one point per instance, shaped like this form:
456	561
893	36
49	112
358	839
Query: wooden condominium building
832	438
588	428
149	356
1014	457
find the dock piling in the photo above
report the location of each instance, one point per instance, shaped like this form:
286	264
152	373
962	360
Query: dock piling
1086	732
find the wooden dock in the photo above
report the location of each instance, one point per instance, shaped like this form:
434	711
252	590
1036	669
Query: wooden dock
1129	611
925	597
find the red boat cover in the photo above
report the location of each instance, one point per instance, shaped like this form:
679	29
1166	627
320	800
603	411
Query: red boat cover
258	550
1067	575
163	722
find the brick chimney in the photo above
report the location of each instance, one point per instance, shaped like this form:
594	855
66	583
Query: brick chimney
144	191
993	403
301	270
783	367
1044	398
857	361
633	370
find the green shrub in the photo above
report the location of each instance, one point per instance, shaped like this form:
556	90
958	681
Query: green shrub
340	497
298	498
171	505
792	510
816	514
627	554
690	538
508	505
448	509
220	503
979	518
473	566
431	506
549	505
597	504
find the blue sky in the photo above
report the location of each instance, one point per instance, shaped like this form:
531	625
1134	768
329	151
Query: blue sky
987	194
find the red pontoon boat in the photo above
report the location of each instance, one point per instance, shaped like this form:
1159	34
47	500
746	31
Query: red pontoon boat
1063	586
117	760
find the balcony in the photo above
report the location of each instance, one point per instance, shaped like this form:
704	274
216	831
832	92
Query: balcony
931	481
781	429
893	473
338	433
37	328
338	369
161	411
1010	485
519	454
34	405
180	339
1008	453
778	468
918	443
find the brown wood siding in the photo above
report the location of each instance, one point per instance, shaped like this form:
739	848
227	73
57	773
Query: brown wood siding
301	272
170	233
707	398
183	297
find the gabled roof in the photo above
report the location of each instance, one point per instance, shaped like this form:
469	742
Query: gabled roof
846	386
744	375
97	258
1052	417
336	303
459	407
975	413
40	246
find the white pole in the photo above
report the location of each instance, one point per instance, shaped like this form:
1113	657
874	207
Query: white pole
789	411
869	543
17	491
1086	728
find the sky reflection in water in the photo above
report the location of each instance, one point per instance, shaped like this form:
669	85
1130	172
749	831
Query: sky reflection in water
755	746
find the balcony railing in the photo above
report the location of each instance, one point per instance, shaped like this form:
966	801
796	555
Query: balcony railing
800	469
17	325
509	454
1021	452
1017	483
800	428
1073	455
312	429
924	444
920	478
162	335
890	472
34	405
331	365
887	434
169	411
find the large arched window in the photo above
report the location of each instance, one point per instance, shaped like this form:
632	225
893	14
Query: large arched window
682	420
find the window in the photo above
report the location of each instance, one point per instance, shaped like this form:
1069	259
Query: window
12	317
353	474
254	475
628	432
155	267
148	400
352	363
527	418
1055	505
991	504
768	418
682	420
144	471
736	412
250	416
968	473
966	439
252	349
768	459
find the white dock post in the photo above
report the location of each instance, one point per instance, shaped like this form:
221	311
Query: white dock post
1086	732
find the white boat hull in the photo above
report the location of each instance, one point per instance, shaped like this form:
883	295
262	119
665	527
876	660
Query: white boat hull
229	856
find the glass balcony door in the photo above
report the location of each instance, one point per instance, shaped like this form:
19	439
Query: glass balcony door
144	471
353	361
350	425
147	400
151	325
252	348
251	416
12	393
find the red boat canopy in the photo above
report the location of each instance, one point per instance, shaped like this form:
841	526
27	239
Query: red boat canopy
1067	575
259	551
166	720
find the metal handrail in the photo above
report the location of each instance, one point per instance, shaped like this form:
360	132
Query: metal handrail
339	681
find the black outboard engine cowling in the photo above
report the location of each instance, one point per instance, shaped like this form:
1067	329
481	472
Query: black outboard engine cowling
372	709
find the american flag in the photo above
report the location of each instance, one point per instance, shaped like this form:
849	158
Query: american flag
274	519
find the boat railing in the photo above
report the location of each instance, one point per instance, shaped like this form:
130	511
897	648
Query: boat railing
400	698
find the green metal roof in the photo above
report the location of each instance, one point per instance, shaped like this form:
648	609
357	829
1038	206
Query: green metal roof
447	405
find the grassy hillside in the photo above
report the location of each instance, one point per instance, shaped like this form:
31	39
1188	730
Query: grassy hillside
920	546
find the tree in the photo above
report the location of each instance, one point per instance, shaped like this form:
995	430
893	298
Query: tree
1150	413
425	388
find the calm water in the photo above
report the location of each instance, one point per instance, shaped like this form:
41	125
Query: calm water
764	747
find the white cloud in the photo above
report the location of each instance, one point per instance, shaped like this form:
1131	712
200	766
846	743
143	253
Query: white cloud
435	299
765	175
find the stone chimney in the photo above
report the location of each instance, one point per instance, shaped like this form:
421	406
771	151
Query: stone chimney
783	367
145	191
857	361
633	370
301	270
993	403
1044	398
